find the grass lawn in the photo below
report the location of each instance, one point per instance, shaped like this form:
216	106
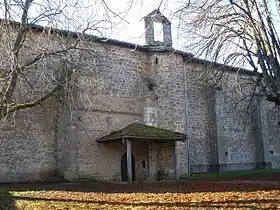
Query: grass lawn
271	174
192	194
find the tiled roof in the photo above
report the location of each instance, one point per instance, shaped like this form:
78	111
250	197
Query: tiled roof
145	132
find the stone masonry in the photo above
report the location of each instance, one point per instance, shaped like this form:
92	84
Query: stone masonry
58	140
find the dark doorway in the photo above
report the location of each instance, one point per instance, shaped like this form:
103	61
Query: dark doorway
124	168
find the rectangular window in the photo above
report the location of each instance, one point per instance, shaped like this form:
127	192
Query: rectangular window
158	31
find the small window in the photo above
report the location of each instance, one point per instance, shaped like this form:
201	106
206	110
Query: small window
158	31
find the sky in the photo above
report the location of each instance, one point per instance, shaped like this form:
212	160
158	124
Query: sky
129	29
133	30
79	12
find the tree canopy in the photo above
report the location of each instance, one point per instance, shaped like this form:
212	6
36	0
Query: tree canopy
36	61
243	33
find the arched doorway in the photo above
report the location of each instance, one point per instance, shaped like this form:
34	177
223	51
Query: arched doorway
124	168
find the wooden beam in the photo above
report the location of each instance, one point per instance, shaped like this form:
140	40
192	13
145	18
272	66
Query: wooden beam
176	160
147	143
128	156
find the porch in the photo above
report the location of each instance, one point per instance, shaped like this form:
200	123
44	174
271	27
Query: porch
151	153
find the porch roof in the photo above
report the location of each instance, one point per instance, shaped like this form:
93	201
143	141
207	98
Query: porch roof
144	132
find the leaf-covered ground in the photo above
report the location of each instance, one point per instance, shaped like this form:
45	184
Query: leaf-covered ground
172	195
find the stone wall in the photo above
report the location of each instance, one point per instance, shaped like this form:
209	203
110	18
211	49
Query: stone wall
157	17
236	128
166	159
28	145
108	99
59	137
167	70
28	138
198	97
223	124
270	131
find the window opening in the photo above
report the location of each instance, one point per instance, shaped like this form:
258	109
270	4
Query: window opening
158	31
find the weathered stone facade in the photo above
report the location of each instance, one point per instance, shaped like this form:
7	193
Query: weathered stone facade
58	140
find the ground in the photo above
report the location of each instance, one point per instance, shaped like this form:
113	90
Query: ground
247	192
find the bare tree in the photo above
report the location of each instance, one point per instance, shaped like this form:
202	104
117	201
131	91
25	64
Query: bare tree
37	61
237	32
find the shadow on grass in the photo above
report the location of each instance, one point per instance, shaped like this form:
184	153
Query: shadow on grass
7	201
254	204
160	187
254	180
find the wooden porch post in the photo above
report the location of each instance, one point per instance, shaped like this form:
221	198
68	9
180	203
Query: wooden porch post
128	156
176	162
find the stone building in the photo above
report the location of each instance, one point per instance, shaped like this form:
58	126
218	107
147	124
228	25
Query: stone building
161	105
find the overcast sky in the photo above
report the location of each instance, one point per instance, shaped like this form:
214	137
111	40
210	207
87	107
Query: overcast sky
133	30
